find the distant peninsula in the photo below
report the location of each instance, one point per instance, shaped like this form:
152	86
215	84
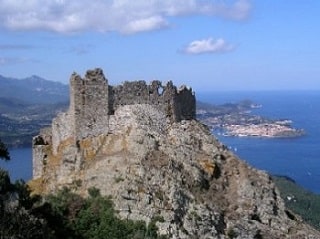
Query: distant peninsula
236	119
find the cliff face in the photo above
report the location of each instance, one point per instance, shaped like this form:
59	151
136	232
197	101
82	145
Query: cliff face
176	172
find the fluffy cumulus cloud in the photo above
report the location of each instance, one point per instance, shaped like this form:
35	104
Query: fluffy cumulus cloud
209	45
125	16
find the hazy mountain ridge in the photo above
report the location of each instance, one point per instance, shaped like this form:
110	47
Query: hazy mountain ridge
33	89
28	104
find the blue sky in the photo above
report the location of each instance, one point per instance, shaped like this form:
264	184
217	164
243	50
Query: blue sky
206	44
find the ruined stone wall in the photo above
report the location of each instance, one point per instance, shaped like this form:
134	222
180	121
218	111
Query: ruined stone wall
40	143
89	104
186	104
62	129
176	104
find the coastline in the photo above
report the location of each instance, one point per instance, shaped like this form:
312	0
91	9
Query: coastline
270	130
296	157
237	120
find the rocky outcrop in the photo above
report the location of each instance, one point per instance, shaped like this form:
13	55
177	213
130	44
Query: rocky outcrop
175	173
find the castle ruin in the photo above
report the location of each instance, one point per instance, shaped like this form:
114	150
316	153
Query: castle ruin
93	103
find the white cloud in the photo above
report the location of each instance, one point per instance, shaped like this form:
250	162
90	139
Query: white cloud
125	16
209	45
147	24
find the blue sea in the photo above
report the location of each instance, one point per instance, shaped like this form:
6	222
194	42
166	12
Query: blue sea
297	158
20	164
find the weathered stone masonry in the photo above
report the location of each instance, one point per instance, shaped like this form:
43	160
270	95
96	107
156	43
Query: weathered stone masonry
92	102
177	104
89	104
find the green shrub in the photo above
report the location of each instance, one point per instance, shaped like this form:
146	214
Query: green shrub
95	217
300	201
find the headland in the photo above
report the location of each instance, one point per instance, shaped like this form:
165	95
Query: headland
236	119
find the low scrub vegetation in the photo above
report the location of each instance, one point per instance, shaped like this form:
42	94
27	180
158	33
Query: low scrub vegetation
62	215
299	200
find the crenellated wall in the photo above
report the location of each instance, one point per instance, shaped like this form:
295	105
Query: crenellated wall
92	102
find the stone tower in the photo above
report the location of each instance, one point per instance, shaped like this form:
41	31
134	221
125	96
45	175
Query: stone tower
89	104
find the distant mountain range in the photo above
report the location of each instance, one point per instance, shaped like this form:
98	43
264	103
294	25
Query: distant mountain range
32	90
28	104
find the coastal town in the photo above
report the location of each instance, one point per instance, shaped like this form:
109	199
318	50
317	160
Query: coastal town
237	120
269	130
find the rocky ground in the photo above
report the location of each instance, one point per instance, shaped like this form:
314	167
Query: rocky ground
177	174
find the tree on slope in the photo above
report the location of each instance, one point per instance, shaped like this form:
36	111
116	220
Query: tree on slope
4	153
15	205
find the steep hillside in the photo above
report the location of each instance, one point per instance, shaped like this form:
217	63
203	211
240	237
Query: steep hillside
178	173
174	172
